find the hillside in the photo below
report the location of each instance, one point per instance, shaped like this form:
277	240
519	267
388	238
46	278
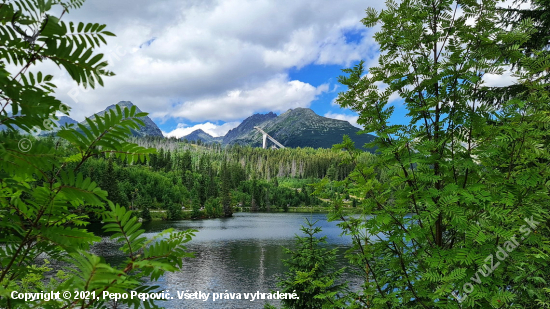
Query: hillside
242	133
63	120
299	127
150	128
203	136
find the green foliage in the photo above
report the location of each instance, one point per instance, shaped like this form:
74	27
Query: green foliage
195	207
312	274
537	45
174	212
45	197
145	214
225	188
463	178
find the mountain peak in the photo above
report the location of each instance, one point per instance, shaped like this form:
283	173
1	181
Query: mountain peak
298	127
199	134
302	110
123	104
149	129
197	131
247	126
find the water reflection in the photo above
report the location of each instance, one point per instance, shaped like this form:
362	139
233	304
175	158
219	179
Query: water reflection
242	254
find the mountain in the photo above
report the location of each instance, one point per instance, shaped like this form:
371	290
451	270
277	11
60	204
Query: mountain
246	128
299	127
150	128
203	136
63	120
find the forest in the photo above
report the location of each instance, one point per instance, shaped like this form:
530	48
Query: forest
184	180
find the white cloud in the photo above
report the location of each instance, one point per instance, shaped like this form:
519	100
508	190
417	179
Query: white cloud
349	118
277	95
208	127
205	49
495	80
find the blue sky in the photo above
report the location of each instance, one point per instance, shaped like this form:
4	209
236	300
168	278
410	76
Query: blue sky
209	64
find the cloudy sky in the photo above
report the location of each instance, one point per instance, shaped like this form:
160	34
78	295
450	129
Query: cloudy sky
211	63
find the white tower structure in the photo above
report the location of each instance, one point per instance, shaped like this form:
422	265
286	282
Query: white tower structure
266	136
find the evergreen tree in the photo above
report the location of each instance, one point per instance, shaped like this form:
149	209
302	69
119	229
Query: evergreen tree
153	161
267	201
186	161
168	162
161	161
109	182
312	273
253	194
195	206
225	183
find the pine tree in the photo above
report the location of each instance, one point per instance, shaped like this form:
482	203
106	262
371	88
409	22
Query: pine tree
168	162
161	160
225	188
110	183
253	194
195	205
186	161
312	273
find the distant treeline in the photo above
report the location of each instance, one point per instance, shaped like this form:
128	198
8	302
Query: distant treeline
265	163
184	176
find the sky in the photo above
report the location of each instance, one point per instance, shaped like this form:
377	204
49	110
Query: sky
210	64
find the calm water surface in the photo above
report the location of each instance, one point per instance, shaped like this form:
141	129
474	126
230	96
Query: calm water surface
242	254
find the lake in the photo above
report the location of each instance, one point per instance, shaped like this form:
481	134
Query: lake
242	254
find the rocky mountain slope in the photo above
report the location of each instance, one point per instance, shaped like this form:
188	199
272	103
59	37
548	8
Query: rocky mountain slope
150	128
246	128
63	120
203	136
299	127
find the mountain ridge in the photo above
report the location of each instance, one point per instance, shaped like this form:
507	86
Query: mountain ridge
199	134
299	127
247	126
149	129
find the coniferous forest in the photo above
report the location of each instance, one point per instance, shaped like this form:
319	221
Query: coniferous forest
187	180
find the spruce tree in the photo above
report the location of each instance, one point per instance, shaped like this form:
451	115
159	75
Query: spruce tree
195	206
109	182
312	273
225	189
186	161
